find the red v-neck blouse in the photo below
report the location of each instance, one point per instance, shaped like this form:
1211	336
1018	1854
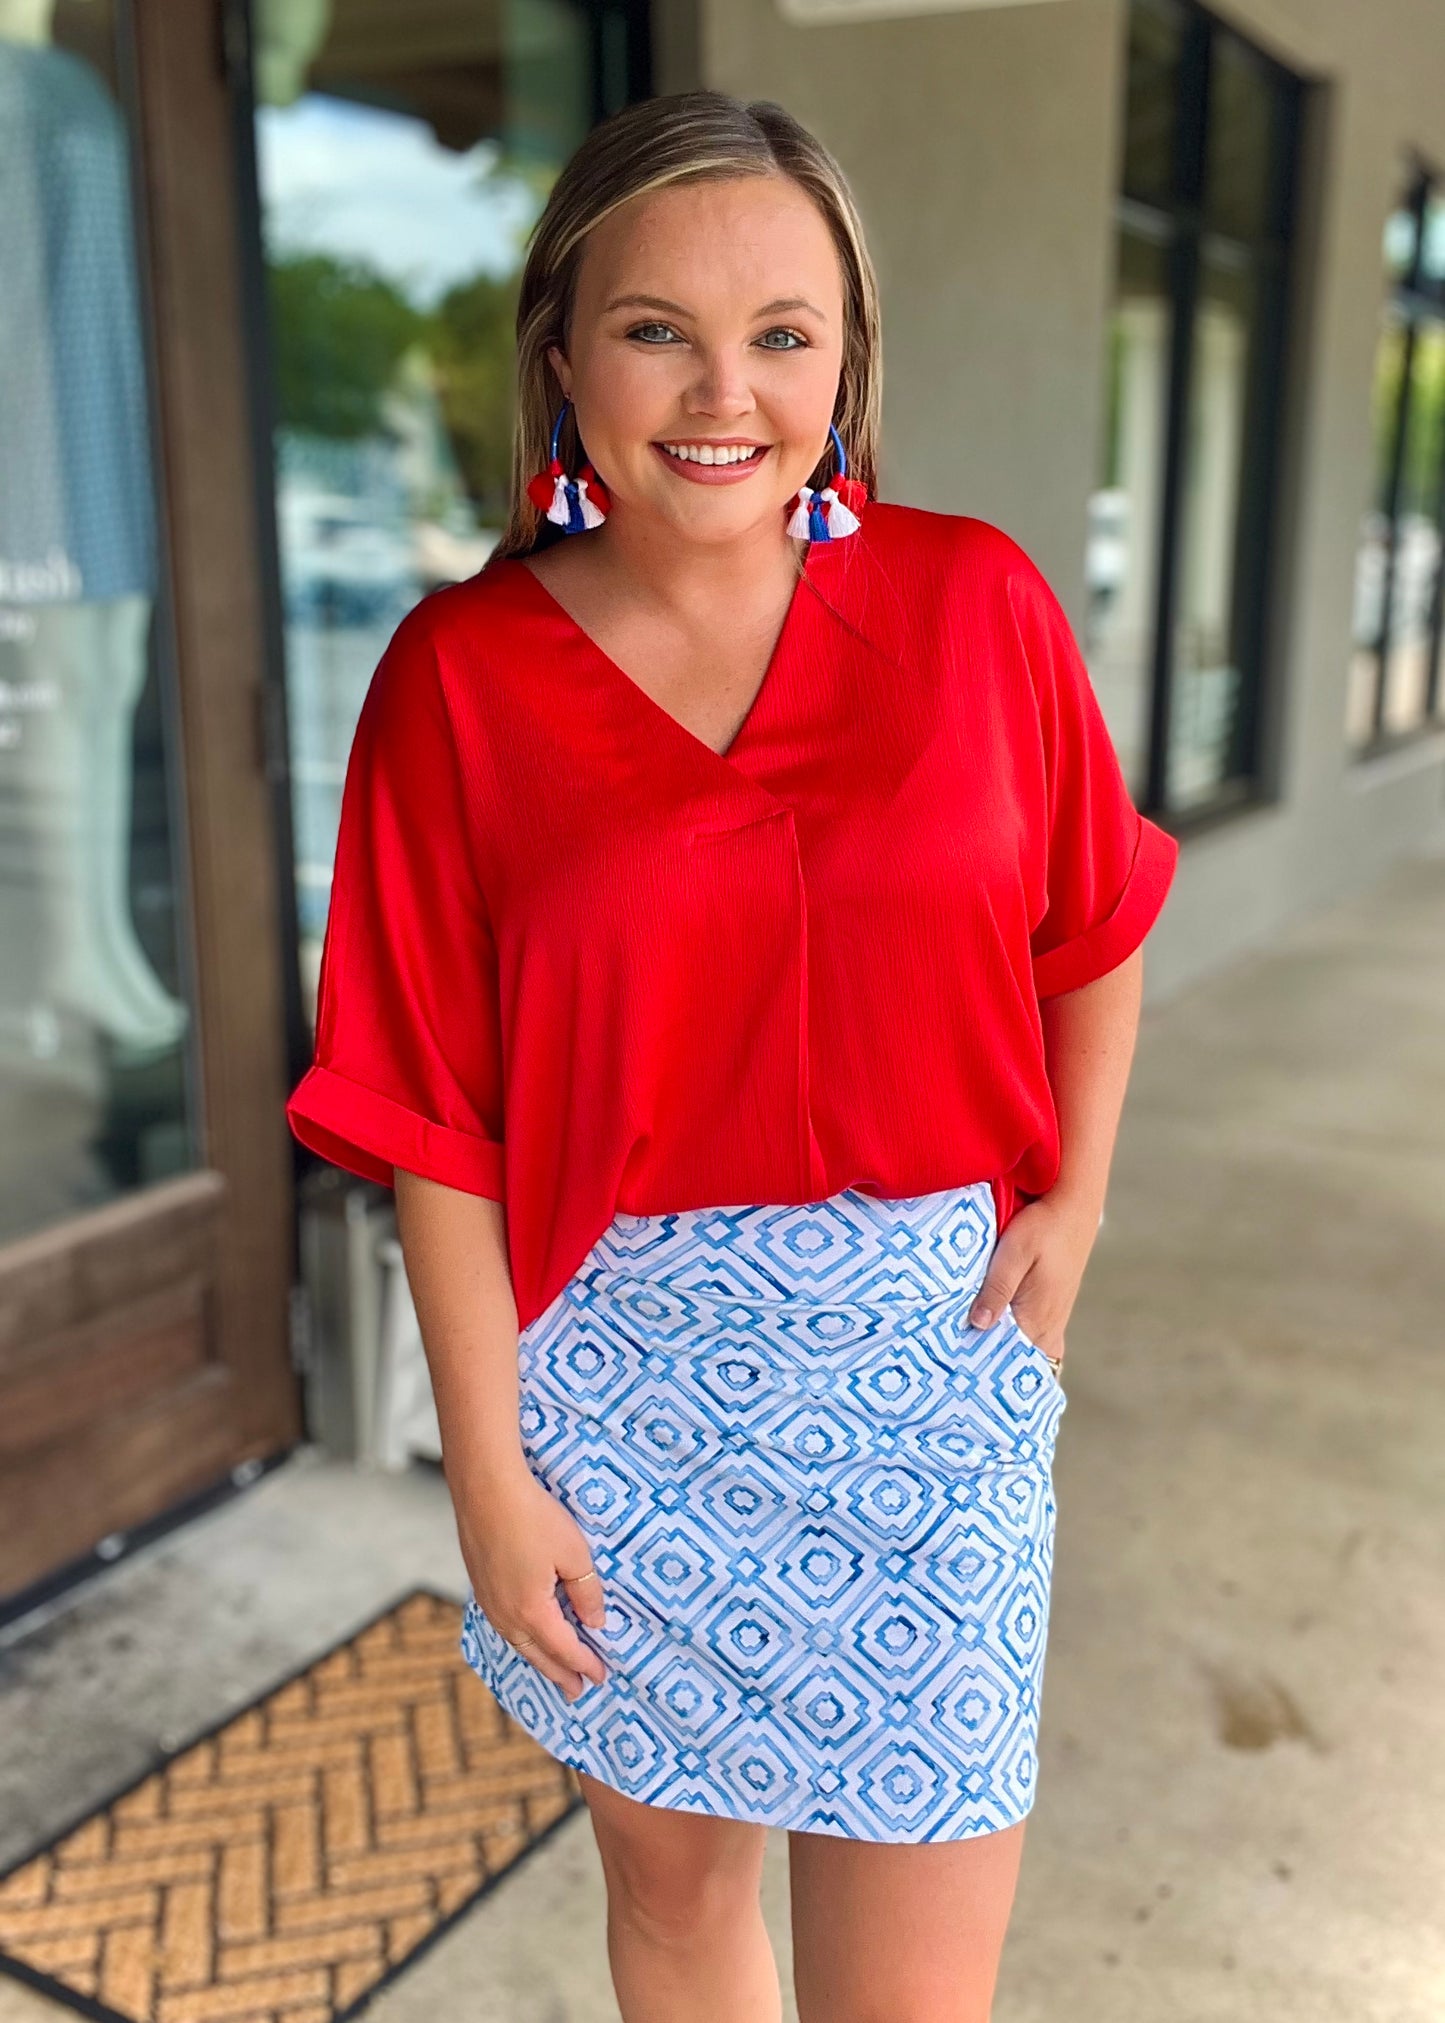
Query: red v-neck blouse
579	961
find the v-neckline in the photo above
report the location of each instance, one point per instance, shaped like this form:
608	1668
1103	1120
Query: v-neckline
673	726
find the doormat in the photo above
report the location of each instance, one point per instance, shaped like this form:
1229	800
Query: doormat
287	1863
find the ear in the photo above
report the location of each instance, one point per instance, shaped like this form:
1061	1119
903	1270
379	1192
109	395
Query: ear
557	359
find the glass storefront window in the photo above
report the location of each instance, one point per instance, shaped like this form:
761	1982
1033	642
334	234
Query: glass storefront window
403	156
94	1010
1180	524
1237	179
1207	678
1417	536
1157	30
1395	686
1431	278
1122	562
1372	557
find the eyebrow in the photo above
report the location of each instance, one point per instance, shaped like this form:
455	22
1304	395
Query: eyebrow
782	302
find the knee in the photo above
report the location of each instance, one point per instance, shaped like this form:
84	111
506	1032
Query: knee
672	1899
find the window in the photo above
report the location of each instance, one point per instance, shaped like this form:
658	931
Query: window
402	155
1179	533
1395	686
95	992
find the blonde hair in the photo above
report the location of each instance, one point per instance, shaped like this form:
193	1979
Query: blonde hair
690	136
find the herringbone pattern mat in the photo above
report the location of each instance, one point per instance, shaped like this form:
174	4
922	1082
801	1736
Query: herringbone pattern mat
281	1867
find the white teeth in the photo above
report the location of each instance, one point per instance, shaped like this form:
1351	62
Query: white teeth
706	453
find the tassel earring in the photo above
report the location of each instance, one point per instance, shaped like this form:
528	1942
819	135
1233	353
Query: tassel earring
832	511
574	504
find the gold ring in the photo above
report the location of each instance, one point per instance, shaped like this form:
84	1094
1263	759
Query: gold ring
569	1579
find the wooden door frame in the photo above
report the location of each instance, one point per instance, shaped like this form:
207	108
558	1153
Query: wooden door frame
167	1311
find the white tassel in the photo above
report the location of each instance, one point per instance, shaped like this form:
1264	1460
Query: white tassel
798	525
840	520
592	515
559	513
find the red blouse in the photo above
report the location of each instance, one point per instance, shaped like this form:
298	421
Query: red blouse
578	961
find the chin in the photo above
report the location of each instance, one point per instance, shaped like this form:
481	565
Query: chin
729	521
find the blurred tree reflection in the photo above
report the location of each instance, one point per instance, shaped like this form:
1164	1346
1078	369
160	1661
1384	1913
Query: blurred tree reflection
341	332
470	339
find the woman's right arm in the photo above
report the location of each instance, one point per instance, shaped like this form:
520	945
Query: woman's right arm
517	1540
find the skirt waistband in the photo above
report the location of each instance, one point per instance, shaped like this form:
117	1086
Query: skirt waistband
852	1248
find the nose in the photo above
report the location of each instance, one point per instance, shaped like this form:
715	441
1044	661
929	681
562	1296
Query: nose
721	387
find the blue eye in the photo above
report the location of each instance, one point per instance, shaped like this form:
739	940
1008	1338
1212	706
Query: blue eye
641	328
798	344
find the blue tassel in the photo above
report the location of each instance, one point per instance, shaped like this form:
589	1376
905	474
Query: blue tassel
817	520
575	522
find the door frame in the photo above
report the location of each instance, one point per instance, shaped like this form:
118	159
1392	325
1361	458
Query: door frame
148	1342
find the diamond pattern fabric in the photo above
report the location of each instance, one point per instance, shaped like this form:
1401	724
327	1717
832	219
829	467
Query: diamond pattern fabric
821	1504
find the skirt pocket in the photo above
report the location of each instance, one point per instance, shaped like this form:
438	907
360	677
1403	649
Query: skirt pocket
1054	1363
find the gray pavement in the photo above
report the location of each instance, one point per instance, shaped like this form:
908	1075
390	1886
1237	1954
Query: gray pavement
1243	1782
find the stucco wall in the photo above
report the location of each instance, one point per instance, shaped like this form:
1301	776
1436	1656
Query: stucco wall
982	147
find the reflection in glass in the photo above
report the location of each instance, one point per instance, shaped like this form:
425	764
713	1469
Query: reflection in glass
1241	119
1401	231
1156	41
1122	563
1417	537
92	1013
1398	567
1432	248
1206	674
1372	558
403	158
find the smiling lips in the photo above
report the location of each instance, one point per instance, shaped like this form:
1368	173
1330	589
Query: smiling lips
712	463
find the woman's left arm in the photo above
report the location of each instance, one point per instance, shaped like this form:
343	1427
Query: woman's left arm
1039	1260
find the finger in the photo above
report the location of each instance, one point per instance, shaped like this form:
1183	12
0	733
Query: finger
993	1296
563	1645
588	1600
537	1656
526	1639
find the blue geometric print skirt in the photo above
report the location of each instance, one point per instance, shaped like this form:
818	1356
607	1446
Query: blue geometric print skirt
822	1507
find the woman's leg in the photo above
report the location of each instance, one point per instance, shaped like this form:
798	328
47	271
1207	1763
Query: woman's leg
685	1931
885	1933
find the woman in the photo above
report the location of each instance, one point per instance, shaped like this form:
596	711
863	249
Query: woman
736	880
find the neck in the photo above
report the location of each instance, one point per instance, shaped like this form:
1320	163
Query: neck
26	20
647	553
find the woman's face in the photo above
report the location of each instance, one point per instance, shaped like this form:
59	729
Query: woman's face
708	318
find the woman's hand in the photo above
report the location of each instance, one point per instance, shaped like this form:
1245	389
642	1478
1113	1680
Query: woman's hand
1040	1257
519	1543
1037	1268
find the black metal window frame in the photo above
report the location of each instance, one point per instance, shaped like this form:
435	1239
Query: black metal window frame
1414	305
1179	222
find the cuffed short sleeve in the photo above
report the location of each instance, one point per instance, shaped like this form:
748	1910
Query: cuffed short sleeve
407	1066
1108	868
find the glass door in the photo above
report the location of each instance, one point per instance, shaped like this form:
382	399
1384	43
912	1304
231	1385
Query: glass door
94	997
402	155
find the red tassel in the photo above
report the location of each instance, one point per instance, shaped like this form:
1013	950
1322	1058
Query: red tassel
540	489
596	490
853	492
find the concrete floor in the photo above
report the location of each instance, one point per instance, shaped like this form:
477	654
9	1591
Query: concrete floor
1243	1781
